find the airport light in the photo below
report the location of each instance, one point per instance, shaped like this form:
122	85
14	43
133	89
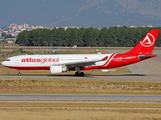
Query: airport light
5	50
46	46
34	45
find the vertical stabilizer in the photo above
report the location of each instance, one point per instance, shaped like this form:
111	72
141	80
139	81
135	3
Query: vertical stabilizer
146	45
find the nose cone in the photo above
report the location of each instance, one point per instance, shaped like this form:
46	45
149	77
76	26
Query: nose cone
3	63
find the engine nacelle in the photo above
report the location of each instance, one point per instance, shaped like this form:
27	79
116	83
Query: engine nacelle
57	69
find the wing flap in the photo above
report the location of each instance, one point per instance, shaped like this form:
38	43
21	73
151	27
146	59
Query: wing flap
82	63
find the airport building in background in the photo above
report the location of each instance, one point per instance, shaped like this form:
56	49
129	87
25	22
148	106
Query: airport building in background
15	29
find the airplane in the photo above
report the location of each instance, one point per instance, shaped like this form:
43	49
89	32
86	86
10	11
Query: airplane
67	62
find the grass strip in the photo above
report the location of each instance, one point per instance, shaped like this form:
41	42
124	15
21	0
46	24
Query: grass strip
80	104
67	86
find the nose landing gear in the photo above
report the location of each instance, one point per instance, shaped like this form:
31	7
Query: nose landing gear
19	73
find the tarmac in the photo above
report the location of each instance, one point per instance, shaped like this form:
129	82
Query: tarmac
91	97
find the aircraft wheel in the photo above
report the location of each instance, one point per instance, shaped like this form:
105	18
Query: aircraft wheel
19	74
82	74
76	74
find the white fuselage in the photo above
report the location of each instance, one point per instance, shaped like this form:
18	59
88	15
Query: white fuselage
25	61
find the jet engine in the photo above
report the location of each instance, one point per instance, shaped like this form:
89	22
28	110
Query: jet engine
57	69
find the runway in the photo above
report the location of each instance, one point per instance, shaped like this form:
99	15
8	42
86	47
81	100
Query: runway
59	97
131	76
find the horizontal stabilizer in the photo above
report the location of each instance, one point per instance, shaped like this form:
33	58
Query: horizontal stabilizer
142	57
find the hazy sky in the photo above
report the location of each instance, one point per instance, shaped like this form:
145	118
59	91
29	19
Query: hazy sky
80	13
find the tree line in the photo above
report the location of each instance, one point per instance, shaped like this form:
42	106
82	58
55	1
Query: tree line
85	37
7	36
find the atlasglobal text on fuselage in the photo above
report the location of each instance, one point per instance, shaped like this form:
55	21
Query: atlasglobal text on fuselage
38	60
62	63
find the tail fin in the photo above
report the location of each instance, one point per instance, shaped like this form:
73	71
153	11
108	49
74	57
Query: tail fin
146	45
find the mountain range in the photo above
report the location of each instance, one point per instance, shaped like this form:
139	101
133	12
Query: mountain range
81	13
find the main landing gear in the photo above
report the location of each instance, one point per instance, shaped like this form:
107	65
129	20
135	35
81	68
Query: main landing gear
78	73
19	73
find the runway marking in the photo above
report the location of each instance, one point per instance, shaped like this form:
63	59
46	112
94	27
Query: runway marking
153	63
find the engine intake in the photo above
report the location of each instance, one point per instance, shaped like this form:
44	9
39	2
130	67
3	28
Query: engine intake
57	69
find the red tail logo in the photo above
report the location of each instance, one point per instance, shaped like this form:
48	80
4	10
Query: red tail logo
146	45
148	40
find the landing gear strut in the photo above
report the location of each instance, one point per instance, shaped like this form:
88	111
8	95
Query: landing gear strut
78	73
19	73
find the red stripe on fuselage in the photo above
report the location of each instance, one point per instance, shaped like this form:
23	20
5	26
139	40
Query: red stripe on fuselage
108	59
122	60
116	60
30	68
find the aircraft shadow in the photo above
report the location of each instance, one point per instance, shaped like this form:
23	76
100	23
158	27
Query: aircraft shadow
72	75
91	75
120	75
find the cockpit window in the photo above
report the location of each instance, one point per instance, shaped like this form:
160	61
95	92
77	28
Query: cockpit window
7	59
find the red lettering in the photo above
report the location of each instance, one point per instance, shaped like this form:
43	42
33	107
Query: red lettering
27	60
33	60
23	60
56	59
38	60
49	60
43	60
